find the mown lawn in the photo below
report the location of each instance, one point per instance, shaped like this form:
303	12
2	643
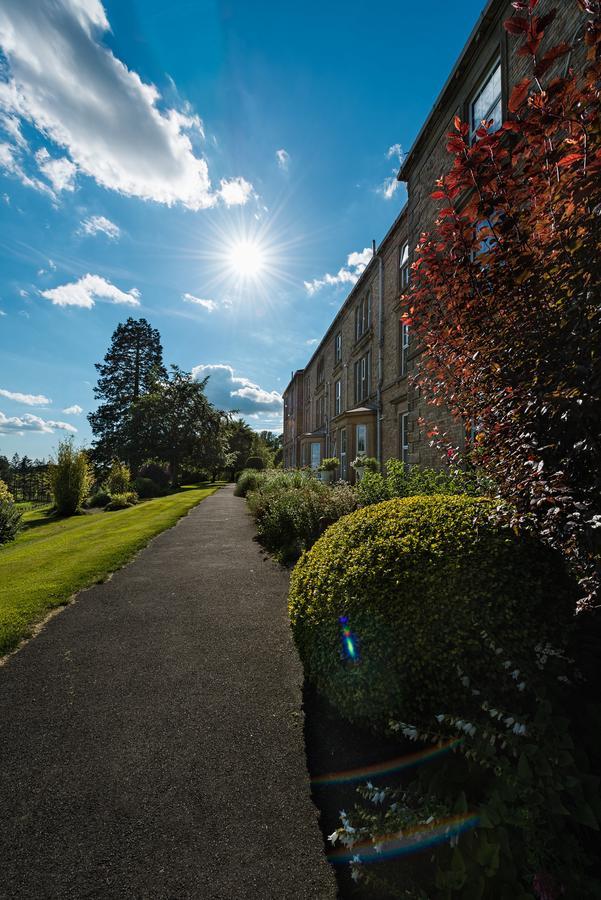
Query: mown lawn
53	558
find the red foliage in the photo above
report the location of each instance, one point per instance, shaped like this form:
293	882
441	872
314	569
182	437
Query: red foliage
505	295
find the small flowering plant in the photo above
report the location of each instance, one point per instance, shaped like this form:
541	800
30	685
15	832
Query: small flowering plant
370	463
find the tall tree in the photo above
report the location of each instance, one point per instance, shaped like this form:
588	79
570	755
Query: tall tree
131	366
174	421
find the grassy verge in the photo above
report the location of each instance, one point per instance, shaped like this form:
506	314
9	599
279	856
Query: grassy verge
53	558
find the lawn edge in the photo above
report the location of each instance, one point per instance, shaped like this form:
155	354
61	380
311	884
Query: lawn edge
37	627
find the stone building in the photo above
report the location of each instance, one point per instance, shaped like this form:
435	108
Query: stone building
353	397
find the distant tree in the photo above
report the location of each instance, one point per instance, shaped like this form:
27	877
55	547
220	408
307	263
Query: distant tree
175	421
4	469
240	441
131	367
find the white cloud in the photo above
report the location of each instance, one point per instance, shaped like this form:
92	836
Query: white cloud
12	127
29	422
88	289
349	274
115	127
74	410
23	293
390	185
230	391
27	399
312	342
100	225
2	313
59	172
235	192
207	304
283	158
10	163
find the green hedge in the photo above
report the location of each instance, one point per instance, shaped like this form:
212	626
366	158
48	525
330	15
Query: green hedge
419	579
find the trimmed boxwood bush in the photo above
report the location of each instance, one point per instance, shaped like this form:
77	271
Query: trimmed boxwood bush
420	578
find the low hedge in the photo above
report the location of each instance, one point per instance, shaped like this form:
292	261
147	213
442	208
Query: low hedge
122	501
419	579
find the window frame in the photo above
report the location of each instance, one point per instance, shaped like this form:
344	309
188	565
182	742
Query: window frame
404	438
338	397
404	270
338	347
363	316
362	373
404	346
497	63
363	428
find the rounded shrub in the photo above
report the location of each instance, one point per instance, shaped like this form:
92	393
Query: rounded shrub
119	478
69	477
255	462
146	488
419	580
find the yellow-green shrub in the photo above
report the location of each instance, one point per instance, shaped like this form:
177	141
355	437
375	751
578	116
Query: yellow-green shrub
419	579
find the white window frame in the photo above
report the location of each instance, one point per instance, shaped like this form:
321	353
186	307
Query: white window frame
404	347
490	72
404	270
338	347
337	397
361	438
404	438
362	378
343	454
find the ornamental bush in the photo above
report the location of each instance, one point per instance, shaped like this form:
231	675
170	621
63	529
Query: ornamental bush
419	579
10	517
248	480
122	501
98	499
70	478
119	478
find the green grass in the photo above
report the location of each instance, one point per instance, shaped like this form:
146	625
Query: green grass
53	558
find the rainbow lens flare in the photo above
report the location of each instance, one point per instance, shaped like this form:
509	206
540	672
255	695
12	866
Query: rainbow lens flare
350	644
410	841
385	768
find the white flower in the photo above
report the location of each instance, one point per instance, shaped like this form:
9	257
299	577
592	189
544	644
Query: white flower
521	685
439	717
378	847
509	721
333	837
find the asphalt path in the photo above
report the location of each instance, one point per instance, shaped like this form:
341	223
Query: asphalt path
151	736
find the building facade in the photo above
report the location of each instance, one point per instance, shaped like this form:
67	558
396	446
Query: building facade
354	396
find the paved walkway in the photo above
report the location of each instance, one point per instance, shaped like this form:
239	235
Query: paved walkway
151	737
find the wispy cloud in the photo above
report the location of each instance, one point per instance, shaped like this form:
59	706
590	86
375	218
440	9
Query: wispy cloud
390	185
100	225
87	290
74	410
312	342
283	159
349	274
27	399
210	305
29	422
60	171
64	80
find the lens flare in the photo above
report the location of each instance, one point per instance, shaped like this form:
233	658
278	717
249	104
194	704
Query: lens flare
410	841
350	644
247	258
386	768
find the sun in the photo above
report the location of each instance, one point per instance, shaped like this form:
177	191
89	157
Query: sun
247	258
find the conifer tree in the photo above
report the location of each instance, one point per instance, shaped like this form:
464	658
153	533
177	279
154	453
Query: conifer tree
132	363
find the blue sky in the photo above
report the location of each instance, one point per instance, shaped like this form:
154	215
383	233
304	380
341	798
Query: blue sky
216	166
